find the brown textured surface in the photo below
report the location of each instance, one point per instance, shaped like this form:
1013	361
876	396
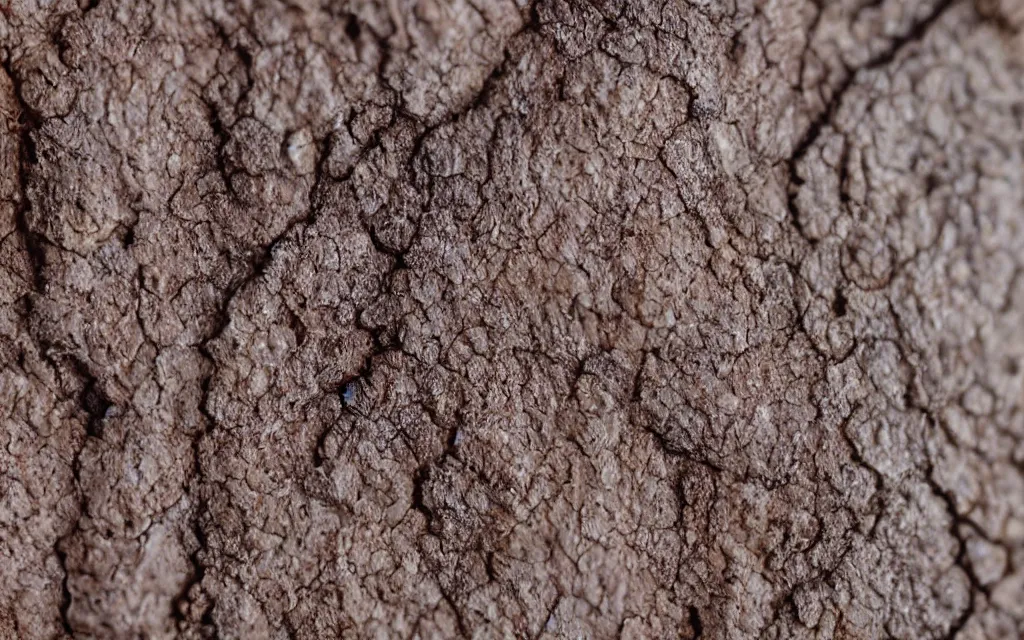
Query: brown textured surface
571	319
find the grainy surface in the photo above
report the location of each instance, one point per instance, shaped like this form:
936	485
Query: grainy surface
426	318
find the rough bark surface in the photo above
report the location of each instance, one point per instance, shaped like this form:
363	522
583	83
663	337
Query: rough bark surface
578	318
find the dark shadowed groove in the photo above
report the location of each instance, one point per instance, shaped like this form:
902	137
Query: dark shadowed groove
29	121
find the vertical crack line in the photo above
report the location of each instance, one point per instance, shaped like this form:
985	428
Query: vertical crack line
65	595
209	420
96	406
28	122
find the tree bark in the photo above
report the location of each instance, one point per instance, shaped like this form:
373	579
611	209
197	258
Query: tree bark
577	318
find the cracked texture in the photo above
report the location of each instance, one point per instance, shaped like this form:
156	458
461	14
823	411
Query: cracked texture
495	319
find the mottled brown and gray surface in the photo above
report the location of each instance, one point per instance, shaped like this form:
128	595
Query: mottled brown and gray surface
575	319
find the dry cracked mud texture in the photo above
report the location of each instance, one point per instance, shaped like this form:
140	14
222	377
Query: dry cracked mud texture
576	319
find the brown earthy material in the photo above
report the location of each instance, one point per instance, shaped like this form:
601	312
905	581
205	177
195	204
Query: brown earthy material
576	319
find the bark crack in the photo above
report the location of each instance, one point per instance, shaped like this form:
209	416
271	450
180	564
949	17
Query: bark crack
827	115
